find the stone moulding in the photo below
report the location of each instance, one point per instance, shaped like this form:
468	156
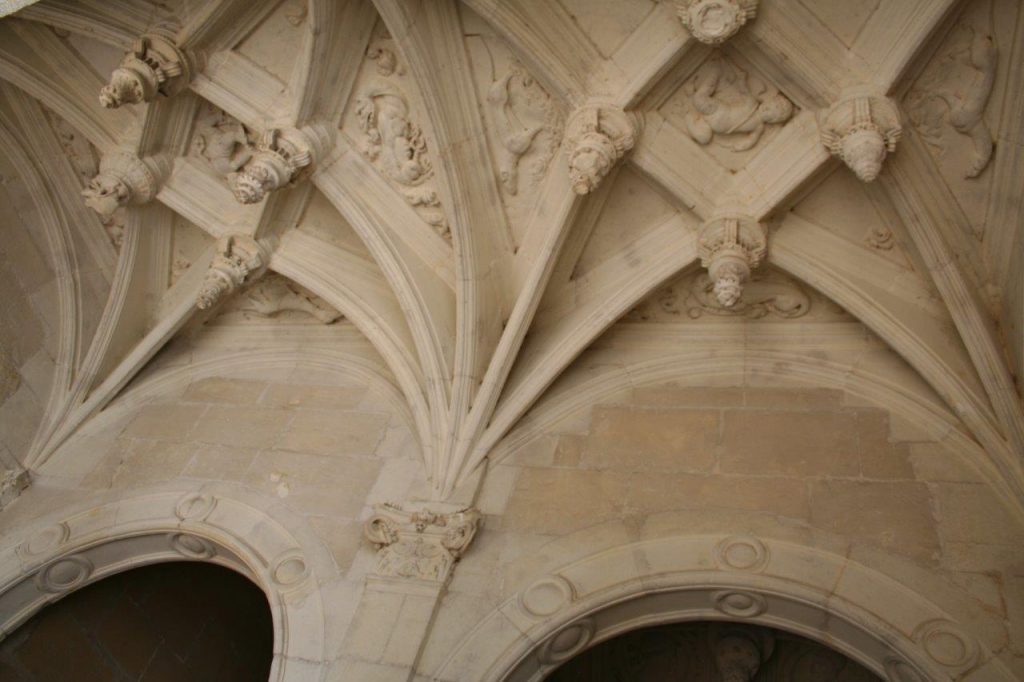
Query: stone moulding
12	482
60	553
154	65
861	129
240	259
712	22
597	137
893	630
730	246
422	543
125	179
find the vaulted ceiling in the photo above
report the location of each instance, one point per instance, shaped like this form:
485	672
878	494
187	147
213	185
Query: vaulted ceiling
523	205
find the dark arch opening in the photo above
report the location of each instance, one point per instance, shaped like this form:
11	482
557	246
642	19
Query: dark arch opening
710	652
168	622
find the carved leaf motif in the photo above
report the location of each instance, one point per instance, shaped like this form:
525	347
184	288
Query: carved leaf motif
767	294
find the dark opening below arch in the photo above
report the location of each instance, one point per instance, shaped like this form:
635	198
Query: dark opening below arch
710	652
170	622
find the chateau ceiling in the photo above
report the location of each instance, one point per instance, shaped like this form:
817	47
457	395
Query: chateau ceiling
507	208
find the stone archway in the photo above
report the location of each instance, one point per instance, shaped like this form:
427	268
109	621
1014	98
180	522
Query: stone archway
894	631
220	524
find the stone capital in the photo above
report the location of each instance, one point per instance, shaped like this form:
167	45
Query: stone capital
597	137
422	541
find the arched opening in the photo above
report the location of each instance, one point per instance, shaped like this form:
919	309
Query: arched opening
707	651
167	621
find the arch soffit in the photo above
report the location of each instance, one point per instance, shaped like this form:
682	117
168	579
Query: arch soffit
862	612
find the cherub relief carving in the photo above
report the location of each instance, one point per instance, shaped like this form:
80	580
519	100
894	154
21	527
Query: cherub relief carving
105	193
222	141
392	138
958	89
732	107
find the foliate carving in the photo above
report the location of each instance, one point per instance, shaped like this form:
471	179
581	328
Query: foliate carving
277	160
275	294
596	138
12	482
154	65
861	129
422	544
957	90
124	179
714	21
522	111
731	107
730	247
221	140
239	259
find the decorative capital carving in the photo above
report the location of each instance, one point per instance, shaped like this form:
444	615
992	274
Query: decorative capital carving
597	137
154	65
861	129
730	247
239	259
12	482
712	22
124	179
423	543
280	156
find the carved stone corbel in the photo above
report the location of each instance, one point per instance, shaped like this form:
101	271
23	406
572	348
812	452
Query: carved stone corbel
422	543
739	652
712	22
124	179
279	158
154	65
730	246
240	259
597	137
861	129
12	482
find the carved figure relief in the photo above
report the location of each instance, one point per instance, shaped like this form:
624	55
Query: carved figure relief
154	65
712	22
420	544
394	142
276	294
523	114
221	140
956	90
239	259
597	137
861	129
731	107
768	293
730	247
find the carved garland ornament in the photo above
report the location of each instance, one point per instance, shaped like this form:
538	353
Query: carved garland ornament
239	259
154	65
420	544
124	179
861	129
712	22
597	137
730	247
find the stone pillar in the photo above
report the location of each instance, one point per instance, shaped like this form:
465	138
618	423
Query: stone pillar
418	546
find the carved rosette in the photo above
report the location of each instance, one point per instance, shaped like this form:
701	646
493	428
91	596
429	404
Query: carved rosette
240	259
597	137
861	130
423	543
154	65
280	157
730	247
712	22
124	179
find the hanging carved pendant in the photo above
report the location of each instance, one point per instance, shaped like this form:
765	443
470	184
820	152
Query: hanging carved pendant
597	137
730	247
279	158
154	65
239	259
861	129
124	179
